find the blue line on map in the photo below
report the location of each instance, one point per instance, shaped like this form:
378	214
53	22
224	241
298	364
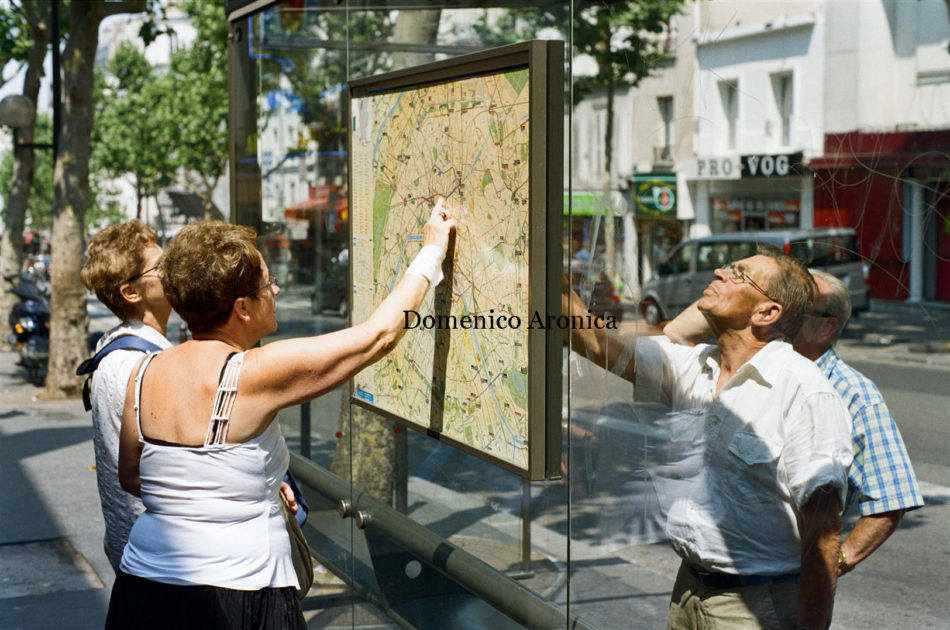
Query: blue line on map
402	253
478	349
382	124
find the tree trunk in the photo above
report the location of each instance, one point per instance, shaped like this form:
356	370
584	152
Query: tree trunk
365	454
69	322
24	161
415	27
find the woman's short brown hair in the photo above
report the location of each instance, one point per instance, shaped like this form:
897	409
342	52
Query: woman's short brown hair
206	268
114	255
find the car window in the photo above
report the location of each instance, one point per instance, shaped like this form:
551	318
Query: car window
827	250
740	250
678	262
711	256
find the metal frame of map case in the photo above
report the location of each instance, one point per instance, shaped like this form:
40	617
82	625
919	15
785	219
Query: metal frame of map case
544	61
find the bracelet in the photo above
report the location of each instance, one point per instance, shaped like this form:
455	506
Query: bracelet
428	264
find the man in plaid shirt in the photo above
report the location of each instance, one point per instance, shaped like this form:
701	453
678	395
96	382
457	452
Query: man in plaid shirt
881	480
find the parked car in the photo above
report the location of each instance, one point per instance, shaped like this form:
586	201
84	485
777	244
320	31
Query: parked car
332	287
686	271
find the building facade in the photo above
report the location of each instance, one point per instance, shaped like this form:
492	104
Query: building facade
795	115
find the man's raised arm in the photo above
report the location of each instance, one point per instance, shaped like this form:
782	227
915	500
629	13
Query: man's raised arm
688	328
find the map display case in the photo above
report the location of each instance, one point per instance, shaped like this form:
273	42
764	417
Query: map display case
480	365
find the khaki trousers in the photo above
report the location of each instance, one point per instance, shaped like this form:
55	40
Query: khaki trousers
693	606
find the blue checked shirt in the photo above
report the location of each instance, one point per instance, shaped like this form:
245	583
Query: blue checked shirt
881	478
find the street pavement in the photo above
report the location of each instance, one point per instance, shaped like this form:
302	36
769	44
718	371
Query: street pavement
54	573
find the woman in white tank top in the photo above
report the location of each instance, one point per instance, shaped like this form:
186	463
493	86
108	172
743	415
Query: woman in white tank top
199	441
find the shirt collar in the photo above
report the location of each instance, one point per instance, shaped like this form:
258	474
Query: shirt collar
827	361
763	364
758	367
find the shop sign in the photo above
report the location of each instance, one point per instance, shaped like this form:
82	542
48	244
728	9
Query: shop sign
745	166
654	195
780	165
713	167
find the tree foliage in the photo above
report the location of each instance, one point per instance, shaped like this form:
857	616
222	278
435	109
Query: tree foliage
133	129
14	36
195	100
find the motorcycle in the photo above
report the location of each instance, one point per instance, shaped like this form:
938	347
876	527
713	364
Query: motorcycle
29	324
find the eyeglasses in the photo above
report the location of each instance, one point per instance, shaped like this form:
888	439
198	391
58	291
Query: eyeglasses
134	278
738	275
271	281
821	314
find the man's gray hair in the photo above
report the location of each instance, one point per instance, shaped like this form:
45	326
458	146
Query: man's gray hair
837	303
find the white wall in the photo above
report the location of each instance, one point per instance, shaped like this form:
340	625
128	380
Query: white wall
888	67
750	55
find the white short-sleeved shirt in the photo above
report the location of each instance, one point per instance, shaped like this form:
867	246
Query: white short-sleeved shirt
776	432
107	393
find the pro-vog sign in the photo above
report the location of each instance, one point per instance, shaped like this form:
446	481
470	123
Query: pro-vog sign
742	166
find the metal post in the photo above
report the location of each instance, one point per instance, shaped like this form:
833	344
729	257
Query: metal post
305	429
526	571
401	471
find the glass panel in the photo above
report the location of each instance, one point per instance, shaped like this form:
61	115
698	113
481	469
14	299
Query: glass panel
300	57
593	543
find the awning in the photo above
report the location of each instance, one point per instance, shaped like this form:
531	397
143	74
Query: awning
308	209
878	150
189	205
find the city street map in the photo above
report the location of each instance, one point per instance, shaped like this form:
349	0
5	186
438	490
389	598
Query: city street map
461	370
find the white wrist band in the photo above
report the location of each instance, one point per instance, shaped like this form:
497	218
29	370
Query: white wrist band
428	264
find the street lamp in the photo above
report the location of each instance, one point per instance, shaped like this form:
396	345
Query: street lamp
16	111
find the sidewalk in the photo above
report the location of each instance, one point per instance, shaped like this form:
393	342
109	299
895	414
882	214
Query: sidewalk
899	331
53	571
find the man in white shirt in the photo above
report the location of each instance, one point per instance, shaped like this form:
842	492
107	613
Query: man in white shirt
758	529
121	268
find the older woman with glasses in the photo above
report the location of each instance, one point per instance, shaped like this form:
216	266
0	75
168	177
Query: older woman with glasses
199	440
121	268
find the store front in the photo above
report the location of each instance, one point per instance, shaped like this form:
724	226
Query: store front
892	189
749	192
655	214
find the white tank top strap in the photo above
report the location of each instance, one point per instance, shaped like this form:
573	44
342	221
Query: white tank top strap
138	392
224	401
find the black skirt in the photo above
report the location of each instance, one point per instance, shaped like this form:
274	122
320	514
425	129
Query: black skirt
142	604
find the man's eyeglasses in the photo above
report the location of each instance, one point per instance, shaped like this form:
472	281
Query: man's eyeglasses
271	281
134	278
821	314
738	275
